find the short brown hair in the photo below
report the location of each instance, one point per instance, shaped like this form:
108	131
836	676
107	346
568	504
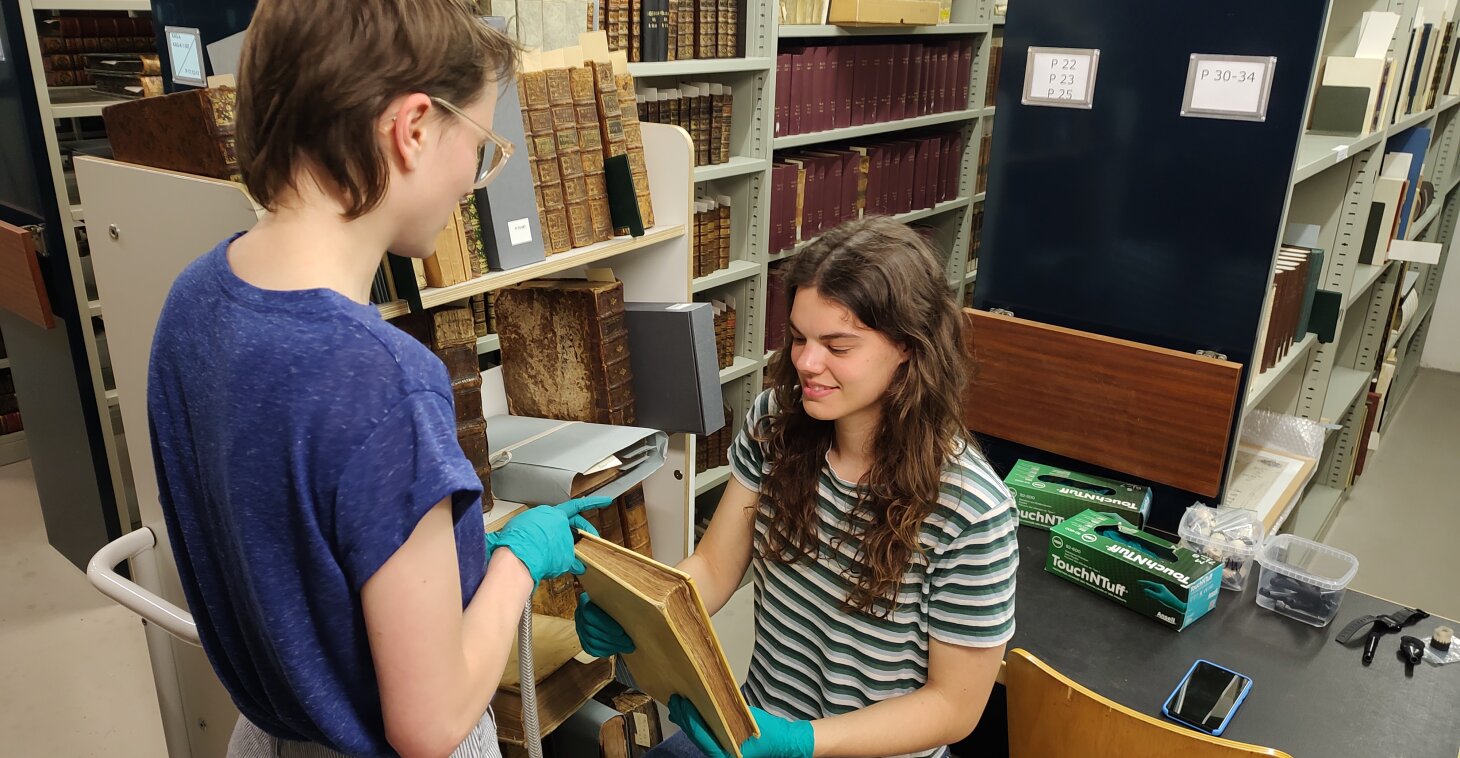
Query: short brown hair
315	75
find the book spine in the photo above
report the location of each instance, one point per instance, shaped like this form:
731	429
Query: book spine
544	149
725	111
723	236
671	47
570	156
590	137
634	514
707	41
726	23
635	147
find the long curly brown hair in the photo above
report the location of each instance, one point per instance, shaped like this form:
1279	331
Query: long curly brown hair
892	282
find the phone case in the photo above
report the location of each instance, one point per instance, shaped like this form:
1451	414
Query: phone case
1241	696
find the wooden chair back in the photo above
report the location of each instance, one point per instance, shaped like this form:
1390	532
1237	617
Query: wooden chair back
1052	716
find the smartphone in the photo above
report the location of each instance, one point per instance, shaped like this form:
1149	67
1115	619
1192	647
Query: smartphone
1207	697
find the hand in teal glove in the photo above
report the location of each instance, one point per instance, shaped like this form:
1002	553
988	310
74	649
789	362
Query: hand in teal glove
779	738
542	537
1158	592
599	634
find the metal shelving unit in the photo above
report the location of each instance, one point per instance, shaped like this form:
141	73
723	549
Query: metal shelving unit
746	177
1332	186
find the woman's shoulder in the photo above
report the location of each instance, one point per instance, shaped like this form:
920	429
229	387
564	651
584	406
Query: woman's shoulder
970	491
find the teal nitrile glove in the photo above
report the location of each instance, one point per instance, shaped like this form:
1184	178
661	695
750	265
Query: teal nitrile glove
599	634
779	738
542	537
1159	592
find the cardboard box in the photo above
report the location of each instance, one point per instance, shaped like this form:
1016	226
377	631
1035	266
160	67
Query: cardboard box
1153	577
883	12
1047	495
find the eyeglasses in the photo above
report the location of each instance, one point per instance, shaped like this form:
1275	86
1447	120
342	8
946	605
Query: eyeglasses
491	155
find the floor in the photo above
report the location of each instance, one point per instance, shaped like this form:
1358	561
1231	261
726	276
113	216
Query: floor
74	673
1401	518
75	682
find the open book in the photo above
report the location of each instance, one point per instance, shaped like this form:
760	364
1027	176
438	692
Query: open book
677	651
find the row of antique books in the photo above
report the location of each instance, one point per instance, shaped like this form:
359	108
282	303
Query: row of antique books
668	30
116	54
711	235
10	421
812	191
713	450
832	86
700	108
575	118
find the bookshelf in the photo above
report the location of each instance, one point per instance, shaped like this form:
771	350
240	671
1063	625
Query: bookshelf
1333	184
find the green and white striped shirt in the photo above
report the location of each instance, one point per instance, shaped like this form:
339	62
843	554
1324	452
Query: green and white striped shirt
812	659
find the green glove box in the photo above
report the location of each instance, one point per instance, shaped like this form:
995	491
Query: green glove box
1153	577
1046	495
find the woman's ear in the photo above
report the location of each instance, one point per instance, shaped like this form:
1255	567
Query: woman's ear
406	129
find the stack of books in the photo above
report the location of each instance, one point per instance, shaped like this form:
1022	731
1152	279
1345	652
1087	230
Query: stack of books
823	87
812	191
712	235
713	450
1289	304
65	40
10	421
700	108
668	30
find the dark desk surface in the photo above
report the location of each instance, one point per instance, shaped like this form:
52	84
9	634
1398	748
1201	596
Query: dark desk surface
1310	695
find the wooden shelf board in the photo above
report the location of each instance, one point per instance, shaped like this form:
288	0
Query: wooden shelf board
434	296
1260	386
741	367
738	165
797	31
921	213
853	132
737	271
1344	387
1364	278
708	480
699	66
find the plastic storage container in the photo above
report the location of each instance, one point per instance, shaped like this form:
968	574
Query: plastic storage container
1303	579
1230	535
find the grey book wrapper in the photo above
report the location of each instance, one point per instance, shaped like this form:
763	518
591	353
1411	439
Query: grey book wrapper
1310	288
542	471
511	229
1340	111
676	373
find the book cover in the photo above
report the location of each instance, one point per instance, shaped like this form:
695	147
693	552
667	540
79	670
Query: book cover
677	650
565	351
189	131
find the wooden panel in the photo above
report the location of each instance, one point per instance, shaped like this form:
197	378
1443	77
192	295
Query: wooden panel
1089	724
22	291
1146	411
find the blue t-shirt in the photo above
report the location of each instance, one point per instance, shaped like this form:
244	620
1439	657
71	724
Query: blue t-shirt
298	439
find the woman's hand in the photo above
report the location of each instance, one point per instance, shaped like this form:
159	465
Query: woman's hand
599	634
779	738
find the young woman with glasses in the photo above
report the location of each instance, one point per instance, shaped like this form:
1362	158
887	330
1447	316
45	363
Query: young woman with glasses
327	527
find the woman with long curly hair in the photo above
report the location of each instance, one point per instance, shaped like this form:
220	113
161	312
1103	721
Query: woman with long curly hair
881	543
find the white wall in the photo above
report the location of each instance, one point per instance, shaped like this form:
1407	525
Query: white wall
1442	348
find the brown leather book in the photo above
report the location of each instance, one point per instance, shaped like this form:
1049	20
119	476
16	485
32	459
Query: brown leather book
641	716
726	27
189	131
471	228
590	142
559	696
723	236
634	145
570	160
565	351
544	148
707	41
632	513
450	333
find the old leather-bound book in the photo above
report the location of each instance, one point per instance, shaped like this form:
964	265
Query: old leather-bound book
450	333
544	149
633	515
189	131
634	138
570	155
565	350
590	142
